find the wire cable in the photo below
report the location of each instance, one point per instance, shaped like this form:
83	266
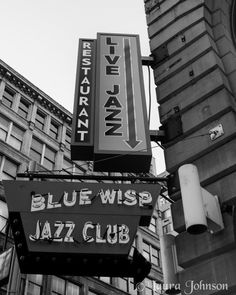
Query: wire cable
150	96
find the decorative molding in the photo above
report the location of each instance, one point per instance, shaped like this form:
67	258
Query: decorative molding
34	94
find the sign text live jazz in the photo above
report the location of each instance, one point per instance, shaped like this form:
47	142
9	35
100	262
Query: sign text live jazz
113	106
92	232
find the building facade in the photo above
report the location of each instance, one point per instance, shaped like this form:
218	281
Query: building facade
35	135
193	47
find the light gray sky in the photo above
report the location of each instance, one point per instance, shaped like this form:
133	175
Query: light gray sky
39	39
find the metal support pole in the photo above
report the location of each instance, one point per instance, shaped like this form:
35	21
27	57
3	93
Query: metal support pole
33	175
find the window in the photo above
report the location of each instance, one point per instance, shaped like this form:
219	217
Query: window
152	287
9	169
40	120
80	167
127	285
68	165
61	287
8	97
72	167
16	134
105	279
49	158
53	131
151	253
3	216
155	256
4	127
42	154
132	289
153	224
16	137
148	287
166	214
163	202
68	140
36	150
34	284
167	228
31	285
23	109
124	284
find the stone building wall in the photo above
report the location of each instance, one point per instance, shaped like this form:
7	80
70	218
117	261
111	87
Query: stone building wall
195	73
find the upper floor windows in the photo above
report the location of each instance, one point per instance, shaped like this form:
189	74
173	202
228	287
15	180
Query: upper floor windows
151	253
152	287
11	133
49	158
8	168
166	213
8	97
4	127
42	154
106	280
53	131
31	284
23	108
167	228
3	216
63	287
68	139
51	127
16	137
40	120
36	150
127	285
153	225
72	168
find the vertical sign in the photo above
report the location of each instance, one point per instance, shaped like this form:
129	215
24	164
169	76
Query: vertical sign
82	140
122	141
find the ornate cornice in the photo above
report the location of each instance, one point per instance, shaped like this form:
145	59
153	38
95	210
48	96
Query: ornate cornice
30	90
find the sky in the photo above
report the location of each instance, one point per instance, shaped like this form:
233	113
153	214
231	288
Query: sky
39	39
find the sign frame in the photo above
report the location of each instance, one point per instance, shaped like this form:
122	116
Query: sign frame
134	153
82	139
91	219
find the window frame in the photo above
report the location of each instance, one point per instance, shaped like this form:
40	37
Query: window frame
149	255
21	109
18	138
153	225
41	154
40	124
4	129
3	172
47	159
54	129
26	281
65	283
9	97
38	152
68	142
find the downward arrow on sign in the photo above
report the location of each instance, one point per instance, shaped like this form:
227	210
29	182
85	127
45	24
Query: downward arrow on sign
132	141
